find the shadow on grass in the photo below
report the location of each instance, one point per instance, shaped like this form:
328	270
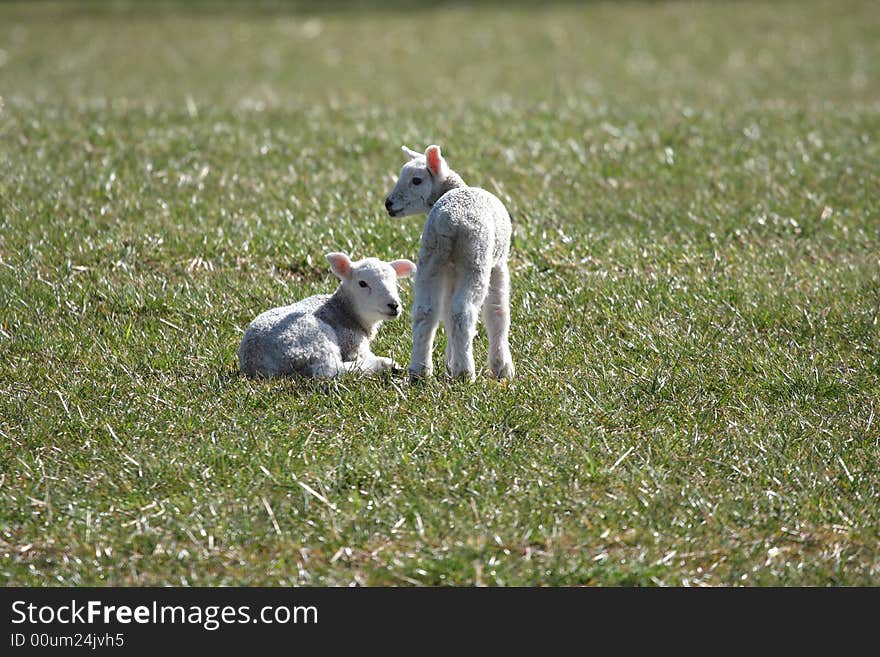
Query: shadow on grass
301	386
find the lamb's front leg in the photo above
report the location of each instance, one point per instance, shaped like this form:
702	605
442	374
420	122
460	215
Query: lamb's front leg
445	293
450	347
368	363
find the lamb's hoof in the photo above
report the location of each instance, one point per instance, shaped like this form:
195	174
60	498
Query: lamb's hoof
389	373
419	374
387	364
503	370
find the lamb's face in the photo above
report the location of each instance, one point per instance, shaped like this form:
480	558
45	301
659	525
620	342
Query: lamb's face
410	194
371	284
372	287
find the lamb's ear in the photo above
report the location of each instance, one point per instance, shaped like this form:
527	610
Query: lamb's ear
403	268
340	264
411	154
436	164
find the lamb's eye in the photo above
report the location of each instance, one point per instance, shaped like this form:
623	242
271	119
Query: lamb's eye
417	181
362	283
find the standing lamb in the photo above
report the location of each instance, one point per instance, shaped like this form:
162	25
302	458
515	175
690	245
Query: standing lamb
327	335
462	265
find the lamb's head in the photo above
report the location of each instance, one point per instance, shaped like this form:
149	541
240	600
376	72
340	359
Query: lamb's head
418	183
371	285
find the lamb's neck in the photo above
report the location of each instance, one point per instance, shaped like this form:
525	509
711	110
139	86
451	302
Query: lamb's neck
452	181
343	309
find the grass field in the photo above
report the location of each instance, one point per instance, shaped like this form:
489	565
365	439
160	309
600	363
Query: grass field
695	190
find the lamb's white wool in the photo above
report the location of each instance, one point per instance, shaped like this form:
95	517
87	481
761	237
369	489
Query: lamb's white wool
462	265
327	335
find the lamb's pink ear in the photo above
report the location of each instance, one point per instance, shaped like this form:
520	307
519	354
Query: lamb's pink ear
436	164
403	268
340	264
410	153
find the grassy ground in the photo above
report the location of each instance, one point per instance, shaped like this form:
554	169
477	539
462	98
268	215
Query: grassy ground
696	287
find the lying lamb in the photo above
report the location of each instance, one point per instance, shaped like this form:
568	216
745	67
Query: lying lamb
462	265
327	335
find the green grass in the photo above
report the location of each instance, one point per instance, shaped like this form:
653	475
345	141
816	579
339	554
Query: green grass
696	286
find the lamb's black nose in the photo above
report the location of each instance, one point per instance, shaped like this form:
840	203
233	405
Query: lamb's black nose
394	306
388	204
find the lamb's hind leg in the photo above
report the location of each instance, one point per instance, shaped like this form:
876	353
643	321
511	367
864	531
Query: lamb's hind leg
446	315
328	368
496	317
450	347
325	363
427	305
467	299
